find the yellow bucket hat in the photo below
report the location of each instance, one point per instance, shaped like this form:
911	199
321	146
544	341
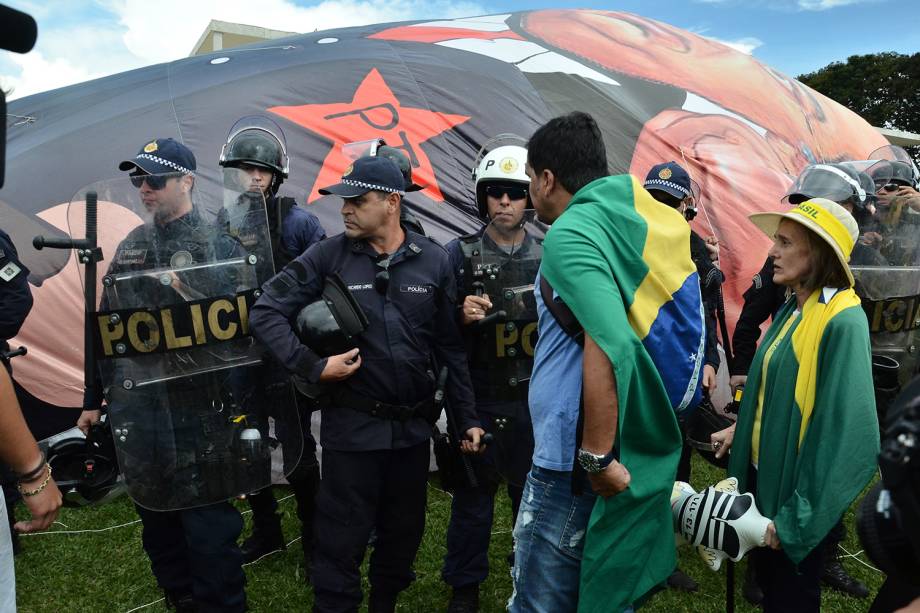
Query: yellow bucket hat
825	218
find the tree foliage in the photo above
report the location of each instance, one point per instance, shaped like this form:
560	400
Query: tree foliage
882	88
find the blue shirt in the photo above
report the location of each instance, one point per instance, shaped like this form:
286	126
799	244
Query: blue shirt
555	391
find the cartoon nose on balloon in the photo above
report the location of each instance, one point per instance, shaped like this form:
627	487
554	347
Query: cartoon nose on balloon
719	522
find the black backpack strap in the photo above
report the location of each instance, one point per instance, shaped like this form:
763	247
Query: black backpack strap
561	313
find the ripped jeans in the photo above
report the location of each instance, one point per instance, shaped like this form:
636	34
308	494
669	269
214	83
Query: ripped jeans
549	536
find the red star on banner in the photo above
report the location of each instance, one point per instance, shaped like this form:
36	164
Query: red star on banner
373	112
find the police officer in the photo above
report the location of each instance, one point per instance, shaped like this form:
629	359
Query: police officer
15	304
501	197
193	552
840	183
374	430
256	145
670	184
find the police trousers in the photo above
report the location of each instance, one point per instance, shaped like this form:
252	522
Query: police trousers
195	551
363	492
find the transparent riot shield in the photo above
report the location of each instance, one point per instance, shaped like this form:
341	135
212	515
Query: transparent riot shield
503	267
195	410
890	289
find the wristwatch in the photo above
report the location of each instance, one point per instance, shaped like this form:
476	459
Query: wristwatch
593	463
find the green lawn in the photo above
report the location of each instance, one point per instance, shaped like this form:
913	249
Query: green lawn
108	571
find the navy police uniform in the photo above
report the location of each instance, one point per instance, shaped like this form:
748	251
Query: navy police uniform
761	301
193	552
15	295
470	529
375	456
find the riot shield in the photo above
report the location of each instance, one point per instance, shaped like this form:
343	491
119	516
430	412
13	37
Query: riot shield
195	410
503	266
890	291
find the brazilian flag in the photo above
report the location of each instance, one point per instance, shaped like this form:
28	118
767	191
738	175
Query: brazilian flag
621	261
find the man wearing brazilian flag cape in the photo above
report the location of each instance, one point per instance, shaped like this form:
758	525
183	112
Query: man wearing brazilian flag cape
594	531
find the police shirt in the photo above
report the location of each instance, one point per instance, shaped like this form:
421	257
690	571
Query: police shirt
409	324
761	301
15	295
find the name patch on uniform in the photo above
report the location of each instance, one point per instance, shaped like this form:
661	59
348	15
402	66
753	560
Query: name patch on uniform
133	332
360	286
415	289
9	272
132	256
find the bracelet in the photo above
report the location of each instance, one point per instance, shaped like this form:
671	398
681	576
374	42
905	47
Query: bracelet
41	487
36	472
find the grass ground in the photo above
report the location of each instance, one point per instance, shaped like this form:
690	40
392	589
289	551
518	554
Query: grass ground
105	571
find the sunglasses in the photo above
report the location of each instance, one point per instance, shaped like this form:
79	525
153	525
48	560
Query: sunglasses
382	278
514	193
891	187
154	182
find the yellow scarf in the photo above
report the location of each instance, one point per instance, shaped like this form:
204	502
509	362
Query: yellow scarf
822	306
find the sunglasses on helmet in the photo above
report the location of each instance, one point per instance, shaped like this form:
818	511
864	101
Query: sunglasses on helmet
155	182
514	193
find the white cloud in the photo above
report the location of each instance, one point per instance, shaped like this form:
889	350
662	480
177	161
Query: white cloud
127	34
823	5
144	35
745	45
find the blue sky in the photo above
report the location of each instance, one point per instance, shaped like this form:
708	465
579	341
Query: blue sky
83	39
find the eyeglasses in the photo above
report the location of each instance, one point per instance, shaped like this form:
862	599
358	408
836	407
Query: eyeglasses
382	278
155	182
514	193
891	187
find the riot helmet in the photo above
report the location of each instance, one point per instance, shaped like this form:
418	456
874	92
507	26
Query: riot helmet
330	325
903	169
501	162
378	147
836	182
705	421
257	141
85	467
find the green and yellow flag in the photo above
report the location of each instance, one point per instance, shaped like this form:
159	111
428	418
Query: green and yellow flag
621	261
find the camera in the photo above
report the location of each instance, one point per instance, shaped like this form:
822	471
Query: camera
888	520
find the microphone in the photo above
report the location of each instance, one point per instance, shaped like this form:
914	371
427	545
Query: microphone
18	30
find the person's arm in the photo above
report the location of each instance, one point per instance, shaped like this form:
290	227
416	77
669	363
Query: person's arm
19	451
297	285
301	232
759	305
15	295
449	351
601	418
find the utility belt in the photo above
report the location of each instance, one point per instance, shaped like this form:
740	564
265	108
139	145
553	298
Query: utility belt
341	396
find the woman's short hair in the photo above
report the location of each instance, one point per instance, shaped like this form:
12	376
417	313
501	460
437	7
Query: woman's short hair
826	270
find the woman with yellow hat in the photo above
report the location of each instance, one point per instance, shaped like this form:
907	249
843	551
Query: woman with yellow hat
806	439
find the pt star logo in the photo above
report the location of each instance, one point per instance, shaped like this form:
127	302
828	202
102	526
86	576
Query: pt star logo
374	112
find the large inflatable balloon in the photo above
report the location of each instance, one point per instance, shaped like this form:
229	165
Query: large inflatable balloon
719	522
438	90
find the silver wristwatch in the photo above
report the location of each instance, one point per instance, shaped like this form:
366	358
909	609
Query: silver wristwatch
593	463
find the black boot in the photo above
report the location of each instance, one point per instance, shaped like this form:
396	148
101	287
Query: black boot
465	599
381	602
305	484
266	527
835	576
679	580
182	601
751	589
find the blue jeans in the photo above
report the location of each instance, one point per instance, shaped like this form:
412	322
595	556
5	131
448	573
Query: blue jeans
549	537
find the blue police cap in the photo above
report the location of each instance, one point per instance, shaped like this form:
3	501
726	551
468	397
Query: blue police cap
161	156
366	174
670	178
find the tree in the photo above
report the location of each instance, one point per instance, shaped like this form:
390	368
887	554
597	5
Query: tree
882	88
